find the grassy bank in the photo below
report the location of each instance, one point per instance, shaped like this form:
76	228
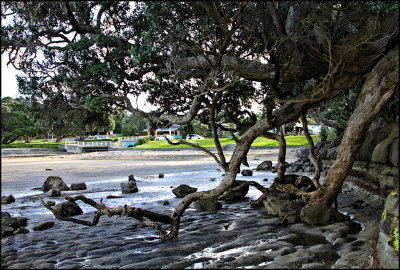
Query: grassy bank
33	144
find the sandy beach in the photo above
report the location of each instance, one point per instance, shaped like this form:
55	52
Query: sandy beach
32	169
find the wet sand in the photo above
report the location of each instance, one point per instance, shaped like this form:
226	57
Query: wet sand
32	170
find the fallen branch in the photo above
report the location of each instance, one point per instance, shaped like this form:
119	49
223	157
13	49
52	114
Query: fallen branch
147	218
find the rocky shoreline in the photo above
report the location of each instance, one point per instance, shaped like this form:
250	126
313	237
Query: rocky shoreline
241	237
235	236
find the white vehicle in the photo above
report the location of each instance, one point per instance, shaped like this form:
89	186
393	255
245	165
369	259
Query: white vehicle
162	137
193	136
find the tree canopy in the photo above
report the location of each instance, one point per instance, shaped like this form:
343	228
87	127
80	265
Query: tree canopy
17	120
211	59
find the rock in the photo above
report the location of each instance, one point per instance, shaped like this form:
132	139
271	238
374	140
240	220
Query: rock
54	182
78	186
183	190
236	192
165	202
15	223
20	230
303	181
43	226
7	199
282	204
387	151
131	178
54	193
315	214
207	205
67	209
6	230
264	166
247	172
288	179
213	179
274	170
372	139
129	187
161	175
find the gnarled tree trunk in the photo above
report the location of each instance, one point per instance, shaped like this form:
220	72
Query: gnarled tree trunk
380	84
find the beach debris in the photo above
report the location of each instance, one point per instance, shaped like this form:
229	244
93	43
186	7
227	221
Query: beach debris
114	197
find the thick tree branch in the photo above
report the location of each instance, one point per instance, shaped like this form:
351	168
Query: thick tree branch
313	159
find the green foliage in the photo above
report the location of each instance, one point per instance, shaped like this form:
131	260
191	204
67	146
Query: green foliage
395	239
129	129
324	134
17	120
142	140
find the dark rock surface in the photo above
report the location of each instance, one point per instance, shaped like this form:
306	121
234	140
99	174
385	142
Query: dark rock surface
7	199
54	182
78	186
183	190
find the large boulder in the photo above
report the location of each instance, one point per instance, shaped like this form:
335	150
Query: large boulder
67	209
207	205
183	190
372	139
54	182
282	204
236	192
264	166
387	151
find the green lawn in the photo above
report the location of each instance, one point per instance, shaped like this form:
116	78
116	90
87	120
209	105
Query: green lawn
260	141
201	142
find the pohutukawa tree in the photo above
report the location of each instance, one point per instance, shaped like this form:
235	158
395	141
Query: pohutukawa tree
211	60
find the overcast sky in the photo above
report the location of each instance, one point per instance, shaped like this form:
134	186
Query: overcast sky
8	81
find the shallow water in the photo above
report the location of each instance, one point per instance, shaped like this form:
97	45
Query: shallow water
152	190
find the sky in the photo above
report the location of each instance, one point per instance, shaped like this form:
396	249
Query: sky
9	86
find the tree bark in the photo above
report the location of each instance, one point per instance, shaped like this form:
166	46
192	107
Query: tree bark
313	159
381	83
282	153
